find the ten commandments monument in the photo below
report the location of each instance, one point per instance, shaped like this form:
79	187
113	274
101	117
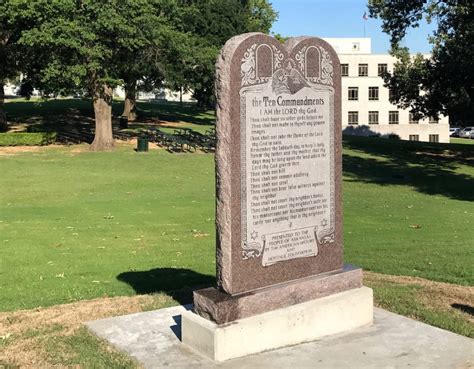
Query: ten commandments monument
280	272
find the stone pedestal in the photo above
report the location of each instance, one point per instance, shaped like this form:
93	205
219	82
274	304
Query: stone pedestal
304	322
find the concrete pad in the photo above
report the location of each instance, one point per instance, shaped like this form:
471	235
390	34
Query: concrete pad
153	339
304	322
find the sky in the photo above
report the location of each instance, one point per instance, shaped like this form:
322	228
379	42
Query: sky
341	18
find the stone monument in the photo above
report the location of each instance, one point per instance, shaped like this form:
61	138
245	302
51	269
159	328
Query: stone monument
281	279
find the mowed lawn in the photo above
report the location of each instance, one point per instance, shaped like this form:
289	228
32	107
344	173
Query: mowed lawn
409	208
72	223
76	225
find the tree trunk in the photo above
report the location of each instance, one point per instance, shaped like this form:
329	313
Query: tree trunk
3	113
181	96
102	100
130	106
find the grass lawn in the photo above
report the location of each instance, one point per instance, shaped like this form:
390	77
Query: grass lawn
76	225
73	222
463	141
409	208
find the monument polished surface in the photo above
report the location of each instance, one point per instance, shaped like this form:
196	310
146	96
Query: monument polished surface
278	162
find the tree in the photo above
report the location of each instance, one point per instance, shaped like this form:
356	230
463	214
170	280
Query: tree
205	25
11	52
261	15
84	41
446	78
144	69
180	60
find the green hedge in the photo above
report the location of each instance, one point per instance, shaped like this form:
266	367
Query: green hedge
27	139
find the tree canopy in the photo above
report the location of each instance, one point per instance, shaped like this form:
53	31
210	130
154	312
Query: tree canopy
91	46
208	24
62	47
445	79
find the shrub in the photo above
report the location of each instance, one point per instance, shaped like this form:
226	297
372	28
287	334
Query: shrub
27	139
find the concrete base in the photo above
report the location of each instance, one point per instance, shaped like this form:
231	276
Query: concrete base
153	339
293	325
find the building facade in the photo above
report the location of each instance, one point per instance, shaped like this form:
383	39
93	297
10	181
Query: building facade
366	109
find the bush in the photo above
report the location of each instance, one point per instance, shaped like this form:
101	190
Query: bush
27	139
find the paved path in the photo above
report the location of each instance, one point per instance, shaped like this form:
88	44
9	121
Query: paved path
394	341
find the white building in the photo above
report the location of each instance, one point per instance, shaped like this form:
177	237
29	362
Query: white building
164	94
10	90
366	109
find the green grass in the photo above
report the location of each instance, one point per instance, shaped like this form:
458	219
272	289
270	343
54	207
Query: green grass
409	208
463	141
76	226
72	225
80	225
408	300
84	350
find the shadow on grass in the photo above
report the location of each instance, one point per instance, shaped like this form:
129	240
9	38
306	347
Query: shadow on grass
175	282
176	112
73	119
433	169
464	308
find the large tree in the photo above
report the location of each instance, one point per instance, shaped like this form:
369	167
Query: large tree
205	26
12	53
85	41
144	69
445	79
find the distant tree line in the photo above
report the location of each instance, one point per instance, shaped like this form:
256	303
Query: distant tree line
90	47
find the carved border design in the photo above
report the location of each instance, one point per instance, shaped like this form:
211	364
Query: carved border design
251	250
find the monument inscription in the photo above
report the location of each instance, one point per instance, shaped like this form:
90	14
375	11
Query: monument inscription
278	162
287	207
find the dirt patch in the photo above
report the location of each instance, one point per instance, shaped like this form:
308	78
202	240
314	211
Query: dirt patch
12	150
443	296
173	124
79	149
22	331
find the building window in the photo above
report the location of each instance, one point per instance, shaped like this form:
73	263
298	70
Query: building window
434	138
414	138
353	93
344	70
411	119
393	117
373	93
373	117
434	120
382	69
353	117
391	95
363	70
